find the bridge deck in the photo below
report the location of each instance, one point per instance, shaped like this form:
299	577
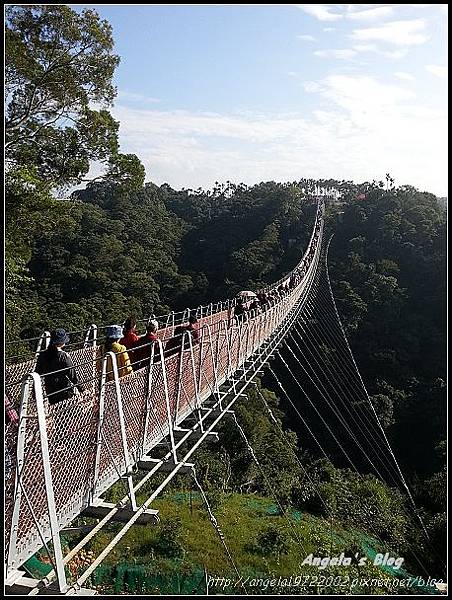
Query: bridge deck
95	438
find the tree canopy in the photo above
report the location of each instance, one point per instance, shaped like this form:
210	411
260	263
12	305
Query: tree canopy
59	71
120	246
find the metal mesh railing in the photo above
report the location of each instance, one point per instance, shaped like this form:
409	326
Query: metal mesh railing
95	435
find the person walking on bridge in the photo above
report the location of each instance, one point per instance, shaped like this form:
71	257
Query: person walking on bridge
129	333
143	347
192	329
114	334
60	376
179	339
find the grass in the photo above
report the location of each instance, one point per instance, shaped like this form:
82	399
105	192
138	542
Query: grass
242	520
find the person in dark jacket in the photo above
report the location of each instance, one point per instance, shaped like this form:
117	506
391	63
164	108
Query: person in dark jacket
57	368
143	347
174	344
239	311
254	307
192	328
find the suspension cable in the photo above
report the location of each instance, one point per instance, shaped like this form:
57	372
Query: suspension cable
298	461
267	482
407	489
331	403
355	469
343	367
336	412
217	528
318	413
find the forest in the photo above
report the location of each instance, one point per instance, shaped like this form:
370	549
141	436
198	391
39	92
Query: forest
121	246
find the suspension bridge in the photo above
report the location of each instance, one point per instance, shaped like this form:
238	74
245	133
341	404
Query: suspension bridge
63	457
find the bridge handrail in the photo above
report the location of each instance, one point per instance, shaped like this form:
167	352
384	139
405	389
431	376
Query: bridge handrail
14	372
175	318
95	437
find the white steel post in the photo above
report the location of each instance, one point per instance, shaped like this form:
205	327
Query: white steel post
148	400
214	362
193	366
201	349
99	426
43	343
217	345
179	376
53	519
167	401
21	441
92	332
122	425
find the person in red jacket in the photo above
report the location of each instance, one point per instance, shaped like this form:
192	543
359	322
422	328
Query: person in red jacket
129	334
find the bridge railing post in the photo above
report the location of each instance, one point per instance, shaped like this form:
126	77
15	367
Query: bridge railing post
100	423
249	344
257	322
43	343
249	339
91	342
122	426
223	343
214	385
195	379
169	417
147	408
51	506
91	336
260	335
169	323
243	352
26	385
230	332
179	379
201	349
244	339
236	356
210	313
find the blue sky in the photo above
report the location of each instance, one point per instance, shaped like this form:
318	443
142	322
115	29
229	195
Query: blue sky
251	93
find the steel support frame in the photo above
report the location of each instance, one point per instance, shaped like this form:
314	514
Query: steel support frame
21	440
33	381
276	320
276	338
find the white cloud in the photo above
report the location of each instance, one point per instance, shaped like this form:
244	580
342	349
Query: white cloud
400	53
341	53
371	14
404	76
311	86
321	11
399	33
437	70
396	53
124	95
329	29
366	48
306	37
360	129
362	94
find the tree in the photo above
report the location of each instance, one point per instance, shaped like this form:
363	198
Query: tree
59	70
